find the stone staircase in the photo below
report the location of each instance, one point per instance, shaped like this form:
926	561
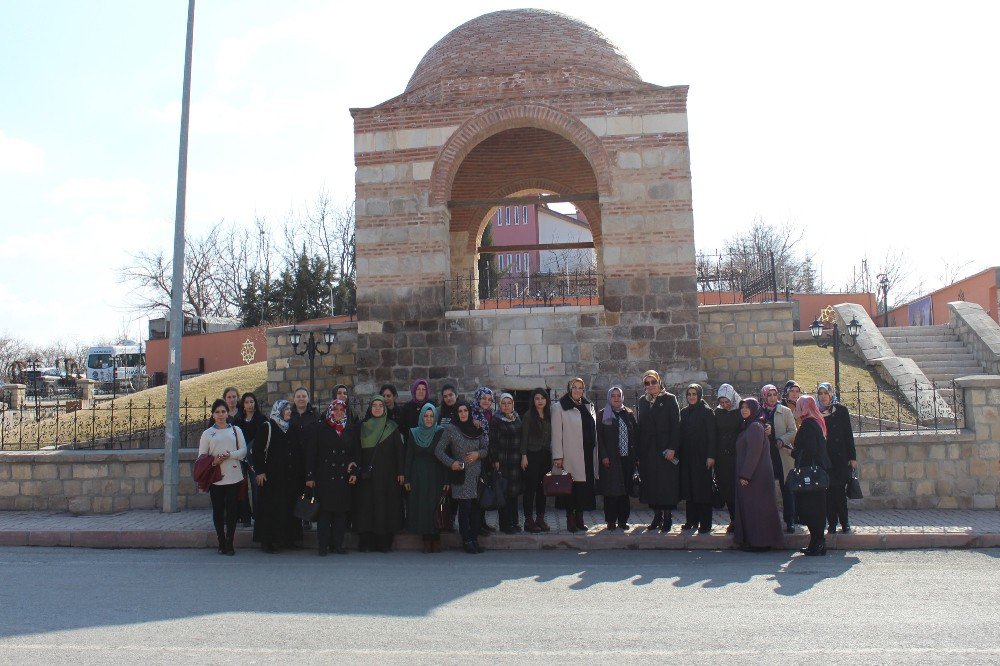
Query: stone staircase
937	351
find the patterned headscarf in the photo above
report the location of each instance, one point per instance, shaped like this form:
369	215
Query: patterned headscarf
480	415
513	414
833	396
276	412
765	390
806	408
727	391
789	385
337	425
659	382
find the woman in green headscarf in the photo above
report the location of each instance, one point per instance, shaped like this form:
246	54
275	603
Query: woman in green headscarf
378	506
426	477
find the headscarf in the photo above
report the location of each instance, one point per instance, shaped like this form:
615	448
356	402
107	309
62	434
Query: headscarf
789	385
765	390
374	428
659	382
422	435
833	397
276	411
513	418
701	396
468	427
754	412
806	408
608	414
413	392
480	415
727	391
328	416
338	387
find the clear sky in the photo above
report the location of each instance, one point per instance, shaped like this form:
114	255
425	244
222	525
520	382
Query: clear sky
873	125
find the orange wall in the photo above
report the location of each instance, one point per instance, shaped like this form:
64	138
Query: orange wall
809	305
980	288
220	350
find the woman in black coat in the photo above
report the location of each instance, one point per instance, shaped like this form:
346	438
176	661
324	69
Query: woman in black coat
659	419
378	508
616	449
331	458
278	486
843	456
426	478
698	442
249	420
301	427
810	451
727	429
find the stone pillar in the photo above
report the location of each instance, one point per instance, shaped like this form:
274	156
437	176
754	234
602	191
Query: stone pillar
86	392
982	415
16	393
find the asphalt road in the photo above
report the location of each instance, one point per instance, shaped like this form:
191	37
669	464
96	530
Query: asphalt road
91	606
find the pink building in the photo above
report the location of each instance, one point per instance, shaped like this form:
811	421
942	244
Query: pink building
537	224
516	225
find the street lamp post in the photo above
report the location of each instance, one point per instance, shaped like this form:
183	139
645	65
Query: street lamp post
853	330
311	350
883	287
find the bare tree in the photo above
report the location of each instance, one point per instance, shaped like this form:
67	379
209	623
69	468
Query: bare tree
952	270
898	278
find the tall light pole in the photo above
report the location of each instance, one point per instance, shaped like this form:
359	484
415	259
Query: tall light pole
853	330
171	440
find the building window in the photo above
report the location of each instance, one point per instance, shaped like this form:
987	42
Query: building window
518	257
507	216
499	216
500	261
524	214
516	221
509	261
527	263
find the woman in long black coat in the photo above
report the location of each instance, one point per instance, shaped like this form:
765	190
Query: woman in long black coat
278	486
302	426
425	478
378	508
616	449
331	458
698	442
659	420
727	428
843	456
505	454
809	451
249	420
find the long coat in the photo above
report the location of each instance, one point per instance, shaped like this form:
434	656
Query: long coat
727	429
453	446
810	450
698	444
505	448
378	499
274	455
840	444
568	438
757	522
658	431
328	456
616	479
302	428
427	477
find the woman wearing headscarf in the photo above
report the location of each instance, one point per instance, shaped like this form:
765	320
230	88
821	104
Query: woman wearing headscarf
698	443
462	449
482	417
449	402
330	463
505	454
574	449
810	451
659	422
425	477
341	392
616	448
378	505
757	526
790	395
727	429
277	482
779	425
536	458
410	412
843	455
225	444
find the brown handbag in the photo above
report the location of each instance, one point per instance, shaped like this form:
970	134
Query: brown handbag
205	473
557	485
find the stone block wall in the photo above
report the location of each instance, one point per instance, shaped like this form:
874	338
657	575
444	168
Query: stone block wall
287	371
747	343
92	481
978	331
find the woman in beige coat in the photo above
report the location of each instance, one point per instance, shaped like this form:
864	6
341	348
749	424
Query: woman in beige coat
574	449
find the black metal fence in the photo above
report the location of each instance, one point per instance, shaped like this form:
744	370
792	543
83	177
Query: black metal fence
738	278
522	290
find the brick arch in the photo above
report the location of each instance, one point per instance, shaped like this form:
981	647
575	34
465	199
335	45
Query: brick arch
513	116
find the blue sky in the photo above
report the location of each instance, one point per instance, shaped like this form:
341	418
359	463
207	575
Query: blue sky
871	125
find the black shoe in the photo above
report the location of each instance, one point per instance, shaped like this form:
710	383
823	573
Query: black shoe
479	549
666	527
832	529
623	526
229	547
222	546
789	529
704	530
470	548
657	521
687	526
611	527
483	532
846	529
731	528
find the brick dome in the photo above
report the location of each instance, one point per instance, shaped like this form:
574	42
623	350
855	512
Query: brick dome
504	43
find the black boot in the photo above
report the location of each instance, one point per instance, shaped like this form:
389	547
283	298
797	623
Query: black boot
657	521
222	544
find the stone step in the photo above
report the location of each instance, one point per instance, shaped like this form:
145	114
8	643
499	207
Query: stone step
962	358
924	340
916	330
953	345
945	366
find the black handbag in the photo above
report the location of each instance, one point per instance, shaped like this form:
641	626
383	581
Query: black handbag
854	487
306	508
492	491
718	500
636	488
456	477
807	479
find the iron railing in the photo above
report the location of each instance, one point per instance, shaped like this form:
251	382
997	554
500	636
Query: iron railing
522	290
738	278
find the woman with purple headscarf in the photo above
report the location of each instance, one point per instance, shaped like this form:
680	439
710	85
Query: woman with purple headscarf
410	412
757	526
616	446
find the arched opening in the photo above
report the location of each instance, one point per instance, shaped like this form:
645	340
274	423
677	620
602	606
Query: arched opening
531	194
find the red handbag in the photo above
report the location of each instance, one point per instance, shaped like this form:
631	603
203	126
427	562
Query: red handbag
557	485
443	519
205	473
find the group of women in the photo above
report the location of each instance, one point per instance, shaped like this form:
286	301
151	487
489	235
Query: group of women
416	464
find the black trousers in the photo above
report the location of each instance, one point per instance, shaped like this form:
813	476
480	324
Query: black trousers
836	504
468	519
698	513
533	500
225	509
617	509
508	513
812	511
330	528
787	496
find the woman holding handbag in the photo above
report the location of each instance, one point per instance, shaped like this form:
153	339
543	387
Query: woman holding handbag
810	451
727	429
843	456
505	454
277	481
226	445
616	446
462	449
536	458
378	509
698	442
331	460
425	477
659	421
574	449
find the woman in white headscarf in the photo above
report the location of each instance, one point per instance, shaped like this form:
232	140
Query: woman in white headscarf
727	429
275	459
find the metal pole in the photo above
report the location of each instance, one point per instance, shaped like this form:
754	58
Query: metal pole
171	441
836	357
311	347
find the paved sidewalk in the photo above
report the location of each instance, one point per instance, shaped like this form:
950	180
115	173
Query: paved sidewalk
193	529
